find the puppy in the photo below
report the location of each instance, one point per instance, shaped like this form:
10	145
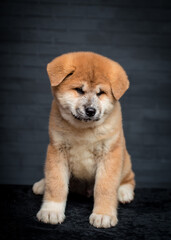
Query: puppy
86	138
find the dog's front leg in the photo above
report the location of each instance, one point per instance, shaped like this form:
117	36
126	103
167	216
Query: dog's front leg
105	191
56	187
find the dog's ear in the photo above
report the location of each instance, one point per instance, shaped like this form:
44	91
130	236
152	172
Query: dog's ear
60	68
119	81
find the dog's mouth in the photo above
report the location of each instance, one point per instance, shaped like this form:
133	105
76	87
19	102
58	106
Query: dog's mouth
85	119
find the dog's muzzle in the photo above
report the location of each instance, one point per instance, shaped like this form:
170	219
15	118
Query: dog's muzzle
86	118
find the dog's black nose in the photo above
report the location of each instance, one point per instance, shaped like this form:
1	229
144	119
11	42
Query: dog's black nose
90	111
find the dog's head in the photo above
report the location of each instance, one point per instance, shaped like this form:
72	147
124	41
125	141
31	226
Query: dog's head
86	86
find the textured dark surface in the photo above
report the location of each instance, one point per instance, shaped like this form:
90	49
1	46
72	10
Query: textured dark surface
147	217
137	34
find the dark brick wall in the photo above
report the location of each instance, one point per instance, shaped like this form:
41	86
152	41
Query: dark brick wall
137	34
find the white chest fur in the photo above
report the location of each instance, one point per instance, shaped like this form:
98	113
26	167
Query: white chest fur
85	148
83	160
84	152
84	156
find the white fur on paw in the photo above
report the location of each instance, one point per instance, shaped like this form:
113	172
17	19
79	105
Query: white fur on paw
38	187
102	221
52	212
50	216
125	193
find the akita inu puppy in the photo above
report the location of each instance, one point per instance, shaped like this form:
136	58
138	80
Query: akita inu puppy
86	138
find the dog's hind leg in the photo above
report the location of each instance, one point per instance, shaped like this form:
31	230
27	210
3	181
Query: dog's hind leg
125	193
127	185
39	187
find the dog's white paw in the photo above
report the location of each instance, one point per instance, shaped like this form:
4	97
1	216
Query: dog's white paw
51	217
102	221
125	193
51	212
38	187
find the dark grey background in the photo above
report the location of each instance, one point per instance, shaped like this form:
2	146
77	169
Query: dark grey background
137	34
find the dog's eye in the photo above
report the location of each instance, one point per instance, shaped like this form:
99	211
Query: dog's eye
79	90
100	93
